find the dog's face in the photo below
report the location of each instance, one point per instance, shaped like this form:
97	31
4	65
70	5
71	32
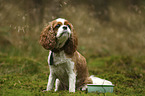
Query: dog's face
62	29
59	35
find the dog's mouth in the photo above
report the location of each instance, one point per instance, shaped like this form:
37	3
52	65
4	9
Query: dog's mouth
63	34
61	40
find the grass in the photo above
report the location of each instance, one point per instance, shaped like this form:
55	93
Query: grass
23	76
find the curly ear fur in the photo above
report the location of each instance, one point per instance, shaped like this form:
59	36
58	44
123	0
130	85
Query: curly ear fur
47	38
71	44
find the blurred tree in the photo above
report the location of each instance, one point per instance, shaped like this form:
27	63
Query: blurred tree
35	11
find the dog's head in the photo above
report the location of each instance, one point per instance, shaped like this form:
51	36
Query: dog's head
59	35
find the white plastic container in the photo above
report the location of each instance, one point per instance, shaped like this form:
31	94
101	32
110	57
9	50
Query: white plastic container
100	88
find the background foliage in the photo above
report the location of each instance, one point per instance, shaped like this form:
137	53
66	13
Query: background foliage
111	36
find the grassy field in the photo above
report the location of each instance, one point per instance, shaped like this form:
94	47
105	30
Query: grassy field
27	76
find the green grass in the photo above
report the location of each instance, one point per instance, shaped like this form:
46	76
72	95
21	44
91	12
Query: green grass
23	76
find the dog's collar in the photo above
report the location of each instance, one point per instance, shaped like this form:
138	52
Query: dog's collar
51	58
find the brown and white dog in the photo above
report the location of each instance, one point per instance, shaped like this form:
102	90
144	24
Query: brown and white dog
68	67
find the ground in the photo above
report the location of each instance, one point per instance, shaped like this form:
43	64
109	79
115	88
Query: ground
28	76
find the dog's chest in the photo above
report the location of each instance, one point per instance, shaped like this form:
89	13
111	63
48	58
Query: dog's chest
62	66
60	58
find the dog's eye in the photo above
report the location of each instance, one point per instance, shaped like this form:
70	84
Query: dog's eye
57	26
69	26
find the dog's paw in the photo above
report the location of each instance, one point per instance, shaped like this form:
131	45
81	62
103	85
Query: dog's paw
84	88
72	90
55	90
44	90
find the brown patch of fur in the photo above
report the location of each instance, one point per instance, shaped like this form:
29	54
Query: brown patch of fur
71	44
81	70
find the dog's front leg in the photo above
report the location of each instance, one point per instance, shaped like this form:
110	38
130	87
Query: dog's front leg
72	82
57	85
51	81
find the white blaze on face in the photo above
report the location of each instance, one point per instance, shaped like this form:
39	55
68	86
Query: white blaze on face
61	20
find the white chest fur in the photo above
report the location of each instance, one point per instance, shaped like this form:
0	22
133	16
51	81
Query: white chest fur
63	69
59	58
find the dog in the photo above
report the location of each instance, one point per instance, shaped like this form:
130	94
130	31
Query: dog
68	68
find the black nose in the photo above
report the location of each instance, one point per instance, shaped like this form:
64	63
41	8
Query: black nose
64	27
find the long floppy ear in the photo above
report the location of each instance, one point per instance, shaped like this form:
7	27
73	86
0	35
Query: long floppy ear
47	38
71	44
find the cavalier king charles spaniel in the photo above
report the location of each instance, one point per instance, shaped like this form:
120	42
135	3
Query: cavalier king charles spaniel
68	69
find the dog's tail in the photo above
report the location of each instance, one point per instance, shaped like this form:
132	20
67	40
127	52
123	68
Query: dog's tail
99	81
